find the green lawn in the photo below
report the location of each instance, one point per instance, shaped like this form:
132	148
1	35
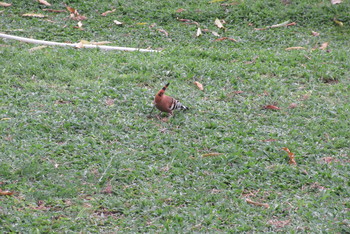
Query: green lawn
81	154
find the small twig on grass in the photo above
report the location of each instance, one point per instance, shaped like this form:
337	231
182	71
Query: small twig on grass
284	24
76	45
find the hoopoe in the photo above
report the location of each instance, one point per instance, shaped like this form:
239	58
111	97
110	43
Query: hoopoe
167	104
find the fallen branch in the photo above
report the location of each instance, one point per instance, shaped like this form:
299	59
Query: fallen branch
75	45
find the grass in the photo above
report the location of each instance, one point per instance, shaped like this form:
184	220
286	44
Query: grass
80	154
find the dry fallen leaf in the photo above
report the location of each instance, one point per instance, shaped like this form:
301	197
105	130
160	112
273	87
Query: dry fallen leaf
291	156
37	48
215	34
34	15
117	22
78	17
295	48
226	38
293	105
108	12
324	46
211	154
163	31
257	203
329	159
109	101
180	10
75	14
271	107
72	10
188	21
336	1
56	11
108	189
199	32
284	24
44	2
5	4
279	223
80	24
5	193
218	23
199	85
316	34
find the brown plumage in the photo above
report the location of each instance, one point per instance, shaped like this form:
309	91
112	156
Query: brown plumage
167	104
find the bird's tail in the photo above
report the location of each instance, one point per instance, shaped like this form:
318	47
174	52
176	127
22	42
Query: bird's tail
177	105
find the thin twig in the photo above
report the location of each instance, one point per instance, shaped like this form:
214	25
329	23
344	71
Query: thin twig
76	45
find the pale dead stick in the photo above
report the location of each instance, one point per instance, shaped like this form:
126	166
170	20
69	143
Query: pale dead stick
76	45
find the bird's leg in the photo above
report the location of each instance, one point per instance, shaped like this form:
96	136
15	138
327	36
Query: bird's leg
152	110
159	117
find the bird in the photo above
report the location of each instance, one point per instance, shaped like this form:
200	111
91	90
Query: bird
166	103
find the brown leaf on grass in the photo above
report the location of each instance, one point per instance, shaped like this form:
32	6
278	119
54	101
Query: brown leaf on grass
291	156
75	14
108	12
271	107
188	21
257	203
218	23
180	10
269	140
72	10
329	160
324	46
5	193
78	17
336	1
293	105
295	48
278	223
5	4
163	31
109	101
108	189
211	154
44	2
34	15
226	38
315	34
55	11
199	85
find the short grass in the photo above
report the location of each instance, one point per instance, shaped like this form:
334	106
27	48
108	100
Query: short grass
81	155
